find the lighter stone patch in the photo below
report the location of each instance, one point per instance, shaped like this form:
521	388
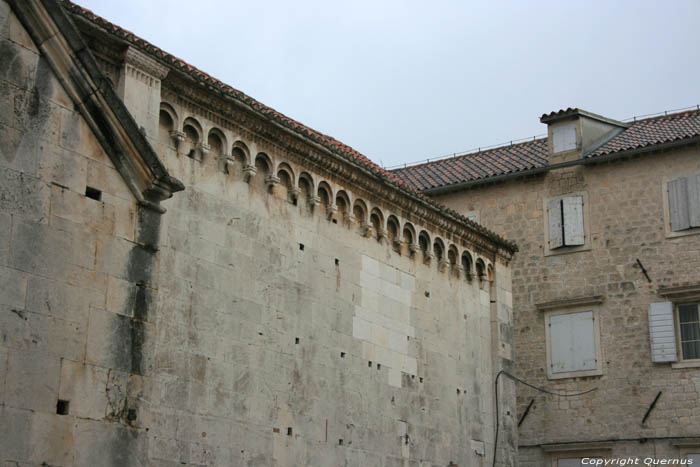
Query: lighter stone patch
381	320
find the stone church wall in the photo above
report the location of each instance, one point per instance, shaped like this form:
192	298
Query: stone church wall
277	313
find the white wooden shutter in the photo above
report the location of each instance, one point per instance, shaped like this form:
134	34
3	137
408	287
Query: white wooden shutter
564	137
556	239
573	220
662	332
572	340
678	204
694	200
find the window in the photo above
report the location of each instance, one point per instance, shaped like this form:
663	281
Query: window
674	330
573	344
564	137
684	203
565	218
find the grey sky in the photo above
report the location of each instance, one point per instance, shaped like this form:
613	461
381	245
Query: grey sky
401	81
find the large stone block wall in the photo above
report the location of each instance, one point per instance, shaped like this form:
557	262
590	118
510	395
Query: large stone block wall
626	219
248	325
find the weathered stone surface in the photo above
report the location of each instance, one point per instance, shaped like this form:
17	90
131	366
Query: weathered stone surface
244	325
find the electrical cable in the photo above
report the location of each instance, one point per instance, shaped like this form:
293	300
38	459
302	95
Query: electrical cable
515	378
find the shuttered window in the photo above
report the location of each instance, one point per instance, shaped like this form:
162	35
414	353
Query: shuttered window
684	203
565	217
662	332
572	340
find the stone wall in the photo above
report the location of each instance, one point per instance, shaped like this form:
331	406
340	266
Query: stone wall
625	221
265	319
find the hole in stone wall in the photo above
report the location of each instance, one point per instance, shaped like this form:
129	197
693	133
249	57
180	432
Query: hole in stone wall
294	201
289	431
420	379
337	261
131	415
340	442
335	221
296	340
458	391
369	363
93	193
301	246
342	354
427	294
62	407
379	366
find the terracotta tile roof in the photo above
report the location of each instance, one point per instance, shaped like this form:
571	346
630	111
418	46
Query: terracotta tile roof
476	166
653	131
531	155
320	138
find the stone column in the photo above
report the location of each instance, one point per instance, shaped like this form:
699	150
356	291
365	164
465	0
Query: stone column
139	88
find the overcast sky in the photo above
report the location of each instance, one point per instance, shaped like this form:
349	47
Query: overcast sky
402	81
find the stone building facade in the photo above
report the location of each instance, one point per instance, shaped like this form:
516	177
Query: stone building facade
606	282
188	277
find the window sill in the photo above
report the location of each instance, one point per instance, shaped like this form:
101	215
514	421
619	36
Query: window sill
686	364
565	250
575	374
682	233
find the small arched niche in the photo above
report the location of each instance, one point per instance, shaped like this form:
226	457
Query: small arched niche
166	125
393	232
376	218
480	269
452	256
424	244
342	201
263	167
468	265
306	189
193	131
409	238
285	189
217	142
239	158
359	211
324	194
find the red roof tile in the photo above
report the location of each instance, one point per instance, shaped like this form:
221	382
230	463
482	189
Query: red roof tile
653	131
476	166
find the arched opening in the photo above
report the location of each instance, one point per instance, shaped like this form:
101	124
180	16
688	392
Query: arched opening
392	231
467	265
480	269
306	189
166	125
377	220
324	194
343	203
424	243
263	167
452	256
284	190
216	143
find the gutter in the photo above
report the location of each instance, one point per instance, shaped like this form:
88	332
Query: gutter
442	190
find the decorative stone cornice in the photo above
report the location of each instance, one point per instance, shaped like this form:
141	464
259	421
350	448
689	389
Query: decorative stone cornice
570	302
249	172
145	63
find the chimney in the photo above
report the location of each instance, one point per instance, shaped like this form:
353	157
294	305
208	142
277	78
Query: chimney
573	133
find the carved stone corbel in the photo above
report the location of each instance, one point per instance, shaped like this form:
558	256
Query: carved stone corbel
381	234
349	220
249	172
366	230
428	257
177	136
271	181
442	265
331	210
227	161
314	201
412	248
202	150
459	270
294	192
